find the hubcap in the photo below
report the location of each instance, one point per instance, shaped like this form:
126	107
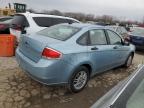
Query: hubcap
80	80
129	61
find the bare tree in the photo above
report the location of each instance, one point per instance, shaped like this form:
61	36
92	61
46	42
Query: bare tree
31	10
107	19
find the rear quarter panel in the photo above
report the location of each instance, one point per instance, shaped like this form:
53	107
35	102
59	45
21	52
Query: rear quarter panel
73	53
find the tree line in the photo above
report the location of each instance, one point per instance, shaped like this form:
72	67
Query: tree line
107	19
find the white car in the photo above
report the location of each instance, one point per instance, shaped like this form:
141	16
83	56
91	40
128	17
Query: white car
29	23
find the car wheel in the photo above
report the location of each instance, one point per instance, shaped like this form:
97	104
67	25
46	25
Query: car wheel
79	79
129	61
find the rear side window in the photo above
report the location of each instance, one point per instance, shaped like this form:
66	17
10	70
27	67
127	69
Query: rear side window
59	32
97	37
20	20
43	21
58	21
83	40
47	21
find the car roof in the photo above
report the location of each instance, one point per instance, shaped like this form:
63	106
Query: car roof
6	17
113	26
46	15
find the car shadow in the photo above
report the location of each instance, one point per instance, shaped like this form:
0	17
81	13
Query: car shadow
140	52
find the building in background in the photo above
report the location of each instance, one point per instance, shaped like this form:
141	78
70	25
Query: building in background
7	11
17	8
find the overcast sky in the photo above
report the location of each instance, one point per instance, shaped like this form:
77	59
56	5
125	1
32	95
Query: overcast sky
123	9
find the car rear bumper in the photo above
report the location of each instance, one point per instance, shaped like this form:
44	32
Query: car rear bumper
45	71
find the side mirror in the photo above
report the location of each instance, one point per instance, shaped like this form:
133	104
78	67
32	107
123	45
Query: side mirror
126	43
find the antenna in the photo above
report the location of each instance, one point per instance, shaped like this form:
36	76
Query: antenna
9	5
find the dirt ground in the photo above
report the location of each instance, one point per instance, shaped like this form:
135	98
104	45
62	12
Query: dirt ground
17	90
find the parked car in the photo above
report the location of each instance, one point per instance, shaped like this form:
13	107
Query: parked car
30	22
5	18
121	30
137	37
129	93
4	24
72	53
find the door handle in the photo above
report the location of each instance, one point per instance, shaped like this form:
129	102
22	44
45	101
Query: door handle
94	48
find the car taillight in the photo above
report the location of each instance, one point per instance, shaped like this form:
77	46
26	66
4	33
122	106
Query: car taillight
2	26
18	27
51	53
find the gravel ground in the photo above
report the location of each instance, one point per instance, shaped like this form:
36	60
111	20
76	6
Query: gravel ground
17	90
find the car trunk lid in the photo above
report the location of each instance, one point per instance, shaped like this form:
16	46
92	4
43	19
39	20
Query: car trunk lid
33	46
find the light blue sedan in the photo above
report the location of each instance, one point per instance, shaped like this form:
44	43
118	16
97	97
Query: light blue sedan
72	53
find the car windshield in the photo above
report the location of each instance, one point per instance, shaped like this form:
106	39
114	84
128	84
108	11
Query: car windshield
138	31
59	32
137	98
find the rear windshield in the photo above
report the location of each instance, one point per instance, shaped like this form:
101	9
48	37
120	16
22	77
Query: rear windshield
20	20
48	21
59	32
5	19
138	31
8	21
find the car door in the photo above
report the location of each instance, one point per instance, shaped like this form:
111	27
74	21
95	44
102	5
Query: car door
119	50
99	51
132	95
128	93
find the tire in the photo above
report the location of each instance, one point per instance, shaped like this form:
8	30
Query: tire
129	61
78	80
